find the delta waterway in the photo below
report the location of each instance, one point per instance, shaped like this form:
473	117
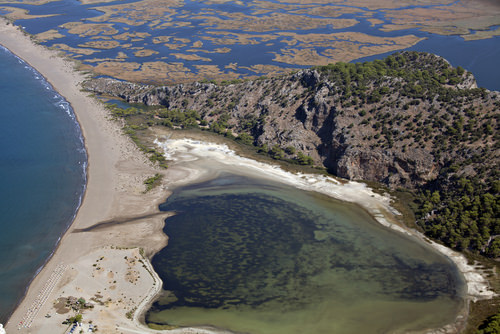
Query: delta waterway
478	56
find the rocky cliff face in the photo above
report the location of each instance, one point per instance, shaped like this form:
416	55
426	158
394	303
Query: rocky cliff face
397	121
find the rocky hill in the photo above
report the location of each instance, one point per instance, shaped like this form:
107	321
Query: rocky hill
397	121
410	121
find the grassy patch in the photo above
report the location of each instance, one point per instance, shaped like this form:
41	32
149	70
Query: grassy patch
152	182
159	327
479	311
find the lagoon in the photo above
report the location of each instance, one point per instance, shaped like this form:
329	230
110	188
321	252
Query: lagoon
255	256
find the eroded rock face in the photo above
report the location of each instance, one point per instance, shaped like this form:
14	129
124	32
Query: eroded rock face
392	168
118	88
390	128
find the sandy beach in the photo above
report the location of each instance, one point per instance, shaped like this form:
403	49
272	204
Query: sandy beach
108	265
115	189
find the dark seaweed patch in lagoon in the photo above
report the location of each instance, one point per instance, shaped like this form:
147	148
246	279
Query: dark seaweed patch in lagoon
42	175
263	258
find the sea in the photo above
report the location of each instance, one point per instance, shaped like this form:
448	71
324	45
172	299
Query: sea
43	160
42	175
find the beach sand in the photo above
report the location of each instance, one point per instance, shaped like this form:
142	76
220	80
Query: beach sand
107	264
115	189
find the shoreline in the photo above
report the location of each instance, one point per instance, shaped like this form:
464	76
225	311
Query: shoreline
84	174
116	170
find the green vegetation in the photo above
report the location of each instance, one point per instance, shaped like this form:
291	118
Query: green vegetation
138	120
428	81
304	159
161	327
464	213
152	182
490	325
245	138
461	207
185	119
481	313
74	319
130	314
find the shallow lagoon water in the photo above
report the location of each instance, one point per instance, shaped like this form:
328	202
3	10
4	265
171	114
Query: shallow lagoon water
257	257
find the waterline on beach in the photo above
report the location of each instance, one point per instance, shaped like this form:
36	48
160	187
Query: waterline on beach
43	169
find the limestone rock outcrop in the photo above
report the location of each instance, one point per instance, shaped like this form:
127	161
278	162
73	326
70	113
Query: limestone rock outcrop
397	121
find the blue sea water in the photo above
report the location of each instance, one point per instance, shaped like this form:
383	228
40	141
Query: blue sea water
42	174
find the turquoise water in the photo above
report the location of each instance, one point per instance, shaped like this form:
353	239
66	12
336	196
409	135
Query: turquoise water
263	258
42	175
